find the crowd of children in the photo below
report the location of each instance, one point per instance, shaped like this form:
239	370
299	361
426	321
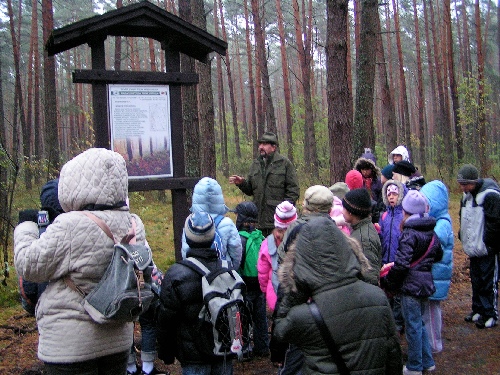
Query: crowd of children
400	234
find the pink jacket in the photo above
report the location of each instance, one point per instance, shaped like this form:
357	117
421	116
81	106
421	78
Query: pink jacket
337	215
265	269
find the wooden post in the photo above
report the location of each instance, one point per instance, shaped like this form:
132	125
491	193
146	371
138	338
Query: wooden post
99	96
180	208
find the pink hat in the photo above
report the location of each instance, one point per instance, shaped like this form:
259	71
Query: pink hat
354	179
285	214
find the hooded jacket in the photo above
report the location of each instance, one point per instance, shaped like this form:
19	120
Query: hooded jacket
74	246
480	219
372	184
414	242
357	314
207	197
437	196
271	182
389	223
400	150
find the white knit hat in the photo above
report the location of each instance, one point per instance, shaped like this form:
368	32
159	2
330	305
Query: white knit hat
285	214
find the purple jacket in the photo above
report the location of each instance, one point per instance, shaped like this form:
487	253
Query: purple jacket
390	221
416	236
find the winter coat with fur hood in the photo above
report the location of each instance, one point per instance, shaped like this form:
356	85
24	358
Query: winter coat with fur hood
390	223
373	184
323	266
73	245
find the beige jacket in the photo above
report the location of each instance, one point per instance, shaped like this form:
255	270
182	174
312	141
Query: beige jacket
74	245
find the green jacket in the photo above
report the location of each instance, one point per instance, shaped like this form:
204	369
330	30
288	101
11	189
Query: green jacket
270	183
357	314
367	235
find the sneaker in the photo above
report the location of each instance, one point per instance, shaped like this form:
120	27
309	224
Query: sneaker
472	317
429	369
410	372
490	323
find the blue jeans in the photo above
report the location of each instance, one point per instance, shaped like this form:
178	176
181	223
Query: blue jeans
419	349
148	338
108	365
259	317
222	367
397	313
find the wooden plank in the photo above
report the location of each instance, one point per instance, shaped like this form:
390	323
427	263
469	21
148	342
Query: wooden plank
124	77
167	183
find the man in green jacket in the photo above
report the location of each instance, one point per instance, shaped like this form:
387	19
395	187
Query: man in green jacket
271	180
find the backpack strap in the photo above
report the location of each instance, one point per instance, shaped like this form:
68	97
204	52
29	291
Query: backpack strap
200	268
327	337
196	265
129	238
217	220
413	264
101	224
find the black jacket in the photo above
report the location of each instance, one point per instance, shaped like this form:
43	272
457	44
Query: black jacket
181	334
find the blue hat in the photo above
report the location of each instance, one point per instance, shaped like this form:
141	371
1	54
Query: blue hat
387	171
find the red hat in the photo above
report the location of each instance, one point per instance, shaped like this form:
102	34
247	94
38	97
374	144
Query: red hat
354	179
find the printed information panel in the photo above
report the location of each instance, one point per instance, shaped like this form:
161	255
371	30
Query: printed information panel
140	129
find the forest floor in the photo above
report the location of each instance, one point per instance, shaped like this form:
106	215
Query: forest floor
467	350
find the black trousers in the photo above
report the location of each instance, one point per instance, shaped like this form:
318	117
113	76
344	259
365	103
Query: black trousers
484	279
114	364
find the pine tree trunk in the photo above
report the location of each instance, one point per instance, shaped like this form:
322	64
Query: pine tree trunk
189	107
26	130
286	81
222	103
251	82
405	113
268	107
364	131
232	100
37	124
49	82
305	60
206	115
243	116
388	116
340	110
453	84
420	92
481	120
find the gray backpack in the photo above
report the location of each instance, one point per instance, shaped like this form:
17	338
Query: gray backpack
124	291
224	307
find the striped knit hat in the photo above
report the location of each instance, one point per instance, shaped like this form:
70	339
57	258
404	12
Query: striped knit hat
199	230
285	214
